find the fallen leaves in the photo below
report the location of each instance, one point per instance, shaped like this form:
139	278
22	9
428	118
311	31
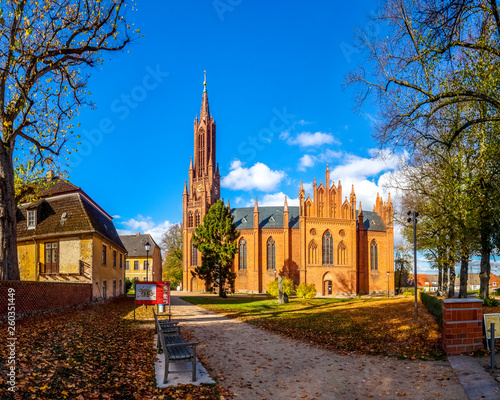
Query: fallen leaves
95	352
363	326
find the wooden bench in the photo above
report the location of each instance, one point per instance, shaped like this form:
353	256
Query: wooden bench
174	347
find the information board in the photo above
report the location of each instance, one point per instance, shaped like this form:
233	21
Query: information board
492	319
152	292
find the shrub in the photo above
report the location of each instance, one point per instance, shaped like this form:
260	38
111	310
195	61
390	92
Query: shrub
409	292
130	284
306	291
434	306
288	288
489	302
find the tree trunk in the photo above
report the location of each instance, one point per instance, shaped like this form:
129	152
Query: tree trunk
464	275
445	279
451	291
440	279
484	275
9	269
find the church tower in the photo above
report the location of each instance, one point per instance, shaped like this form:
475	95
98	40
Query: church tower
203	188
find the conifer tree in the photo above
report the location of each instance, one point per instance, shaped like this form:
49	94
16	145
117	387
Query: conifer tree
216	239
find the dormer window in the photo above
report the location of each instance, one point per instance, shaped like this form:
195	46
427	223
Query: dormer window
31	219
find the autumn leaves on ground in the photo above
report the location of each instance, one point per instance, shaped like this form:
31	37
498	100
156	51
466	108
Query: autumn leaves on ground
363	326
100	352
96	352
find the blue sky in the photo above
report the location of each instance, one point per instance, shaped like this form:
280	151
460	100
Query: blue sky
275	72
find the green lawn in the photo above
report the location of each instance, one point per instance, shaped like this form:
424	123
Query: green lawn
365	326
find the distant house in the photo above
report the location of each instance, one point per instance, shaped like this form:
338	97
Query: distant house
425	282
67	237
139	263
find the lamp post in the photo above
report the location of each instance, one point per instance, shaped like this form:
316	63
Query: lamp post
147	246
414	219
388	274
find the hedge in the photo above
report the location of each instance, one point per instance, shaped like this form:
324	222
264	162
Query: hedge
434	306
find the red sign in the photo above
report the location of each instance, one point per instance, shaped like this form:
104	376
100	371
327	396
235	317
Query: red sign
152	292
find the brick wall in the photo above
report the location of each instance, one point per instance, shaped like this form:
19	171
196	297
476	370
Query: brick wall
35	297
462	325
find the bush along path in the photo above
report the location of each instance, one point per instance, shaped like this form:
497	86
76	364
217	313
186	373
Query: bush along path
94	352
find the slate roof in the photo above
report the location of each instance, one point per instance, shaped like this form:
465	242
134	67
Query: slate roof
371	221
269	217
82	215
135	244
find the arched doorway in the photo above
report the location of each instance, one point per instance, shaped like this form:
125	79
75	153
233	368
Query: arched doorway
327	285
194	284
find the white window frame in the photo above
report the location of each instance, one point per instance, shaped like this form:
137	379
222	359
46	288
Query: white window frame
31	223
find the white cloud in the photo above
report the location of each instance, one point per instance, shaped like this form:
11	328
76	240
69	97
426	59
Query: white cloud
259	177
284	135
115	217
277	199
306	161
145	225
308	139
308	187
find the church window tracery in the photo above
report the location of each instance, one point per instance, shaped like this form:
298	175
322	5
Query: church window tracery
271	254
374	256
243	254
327	248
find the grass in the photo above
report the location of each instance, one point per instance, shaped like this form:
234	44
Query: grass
364	326
472	291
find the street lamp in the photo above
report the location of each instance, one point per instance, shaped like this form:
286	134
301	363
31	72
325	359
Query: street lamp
147	246
414	219
388	273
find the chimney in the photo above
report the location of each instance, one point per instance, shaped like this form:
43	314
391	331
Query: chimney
50	175
138	233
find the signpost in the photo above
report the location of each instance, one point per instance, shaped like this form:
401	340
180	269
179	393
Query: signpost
150	293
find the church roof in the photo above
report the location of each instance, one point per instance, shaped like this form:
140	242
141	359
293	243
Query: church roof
372	221
269	217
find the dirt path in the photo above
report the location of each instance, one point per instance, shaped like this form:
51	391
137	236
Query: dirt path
255	364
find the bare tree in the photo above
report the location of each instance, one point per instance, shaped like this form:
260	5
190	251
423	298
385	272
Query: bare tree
47	48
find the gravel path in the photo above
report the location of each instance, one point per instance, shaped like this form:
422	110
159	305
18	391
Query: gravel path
255	364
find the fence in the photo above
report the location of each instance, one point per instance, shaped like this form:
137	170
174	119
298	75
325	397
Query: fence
30	298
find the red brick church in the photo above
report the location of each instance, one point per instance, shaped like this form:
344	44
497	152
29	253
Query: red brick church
325	240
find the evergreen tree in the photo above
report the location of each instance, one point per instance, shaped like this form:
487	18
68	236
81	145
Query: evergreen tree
216	239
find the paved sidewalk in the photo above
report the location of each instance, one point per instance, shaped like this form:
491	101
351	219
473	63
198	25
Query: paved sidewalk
255	364
477	383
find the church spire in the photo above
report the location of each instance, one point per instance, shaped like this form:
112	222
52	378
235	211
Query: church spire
205	112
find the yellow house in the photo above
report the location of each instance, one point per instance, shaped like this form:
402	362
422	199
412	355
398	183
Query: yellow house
137	260
67	237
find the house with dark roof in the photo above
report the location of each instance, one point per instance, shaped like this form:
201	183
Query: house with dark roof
139	263
326	239
65	236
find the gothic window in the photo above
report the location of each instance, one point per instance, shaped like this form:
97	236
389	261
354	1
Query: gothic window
190	219
321	204
197	218
313	252
308	209
194	255
374	256
327	248
271	254
342	254
243	254
332	203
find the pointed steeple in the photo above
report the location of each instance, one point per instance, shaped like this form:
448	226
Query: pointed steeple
389	202
285	208
256	206
228	206
185	188
360	209
191	163
205	112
